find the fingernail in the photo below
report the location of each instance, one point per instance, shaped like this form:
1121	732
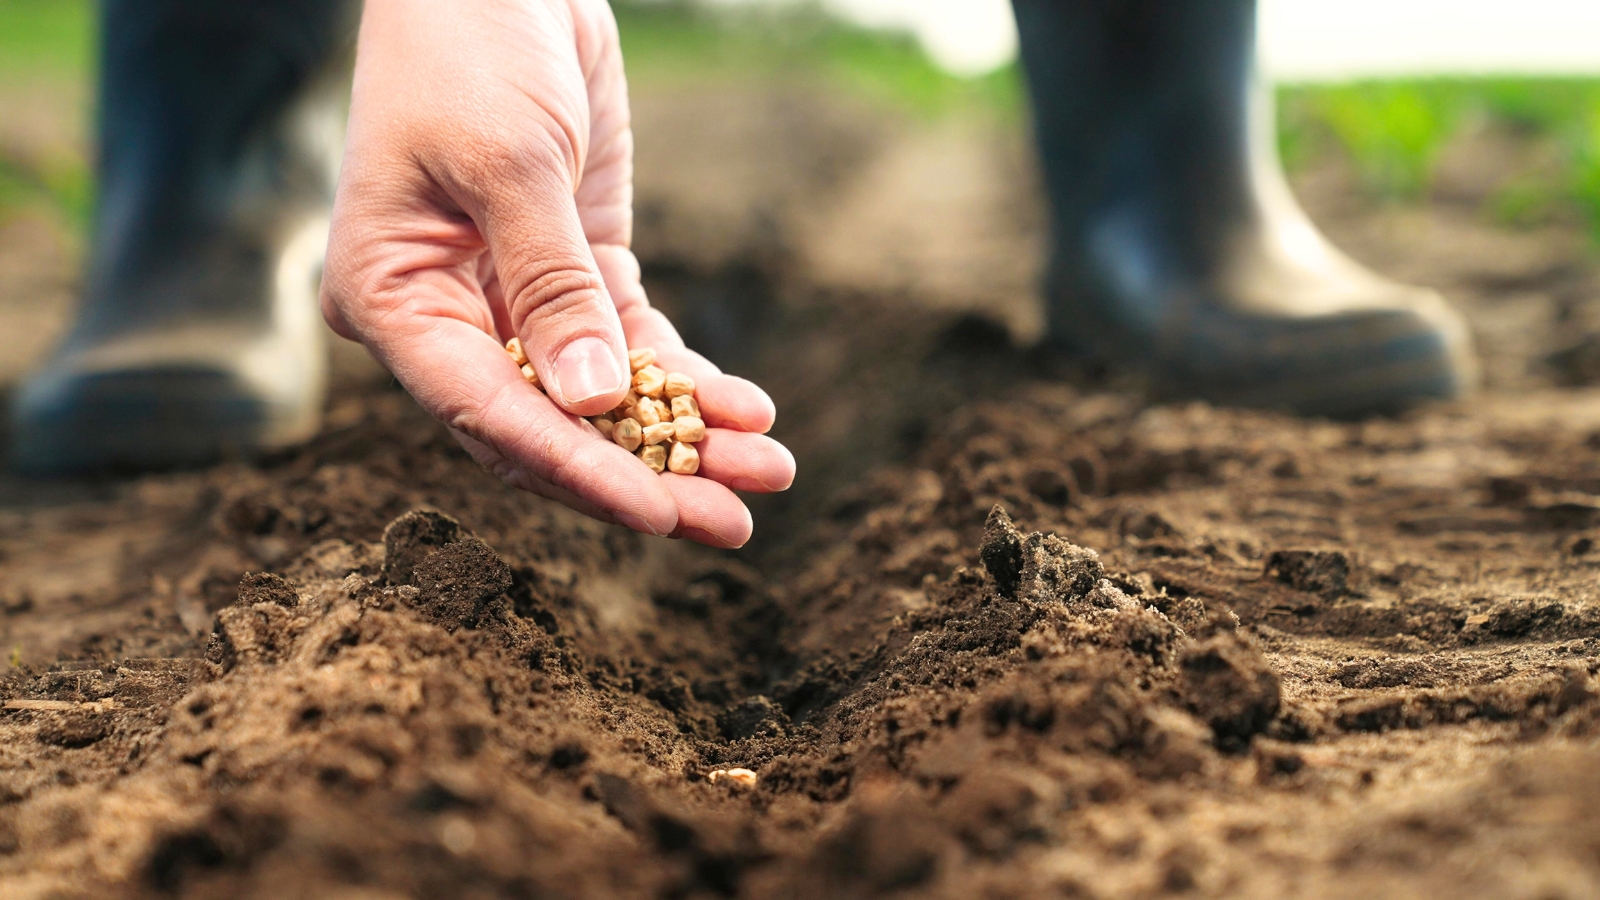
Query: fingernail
637	524
587	368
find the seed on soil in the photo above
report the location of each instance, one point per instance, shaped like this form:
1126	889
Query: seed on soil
684	459
514	347
689	429
739	777
654	456
644	424
650	381
685	405
678	385
628	434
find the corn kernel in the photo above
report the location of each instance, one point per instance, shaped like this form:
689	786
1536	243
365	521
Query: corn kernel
638	359
531	375
603	425
659	434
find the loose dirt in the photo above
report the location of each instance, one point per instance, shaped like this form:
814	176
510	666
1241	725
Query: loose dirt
1014	633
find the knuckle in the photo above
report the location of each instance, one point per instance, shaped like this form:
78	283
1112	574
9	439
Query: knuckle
501	161
555	289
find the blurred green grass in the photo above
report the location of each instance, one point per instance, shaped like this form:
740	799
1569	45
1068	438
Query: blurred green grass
1392	132
45	44
46	39
674	42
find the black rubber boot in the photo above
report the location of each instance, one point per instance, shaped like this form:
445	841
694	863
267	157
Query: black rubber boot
220	128
1177	248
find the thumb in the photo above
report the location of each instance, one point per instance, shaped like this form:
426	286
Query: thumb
554	295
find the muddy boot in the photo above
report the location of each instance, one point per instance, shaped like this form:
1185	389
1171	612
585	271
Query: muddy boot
1177	248
199	336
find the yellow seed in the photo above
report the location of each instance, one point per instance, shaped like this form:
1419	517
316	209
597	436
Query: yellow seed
650	381
741	777
679	384
685	405
689	429
514	347
531	375
628	435
658	434
638	359
645	413
685	460
654	456
603	425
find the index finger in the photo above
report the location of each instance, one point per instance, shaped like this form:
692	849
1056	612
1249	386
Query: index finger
464	378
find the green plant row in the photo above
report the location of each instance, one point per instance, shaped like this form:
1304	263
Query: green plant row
1394	130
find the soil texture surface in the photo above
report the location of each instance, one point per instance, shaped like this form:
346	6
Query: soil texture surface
1015	633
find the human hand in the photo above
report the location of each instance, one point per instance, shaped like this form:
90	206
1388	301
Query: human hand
487	192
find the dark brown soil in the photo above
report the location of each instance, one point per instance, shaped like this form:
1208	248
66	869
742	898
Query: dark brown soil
1012	635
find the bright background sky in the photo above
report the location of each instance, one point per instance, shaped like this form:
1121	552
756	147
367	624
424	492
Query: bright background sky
1304	39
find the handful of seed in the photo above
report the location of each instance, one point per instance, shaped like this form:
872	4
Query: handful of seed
658	421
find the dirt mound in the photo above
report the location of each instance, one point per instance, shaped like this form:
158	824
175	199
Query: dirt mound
447	701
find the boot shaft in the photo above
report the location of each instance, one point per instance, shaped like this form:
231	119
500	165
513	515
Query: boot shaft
220	127
1148	112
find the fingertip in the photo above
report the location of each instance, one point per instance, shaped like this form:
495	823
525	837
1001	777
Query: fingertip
708	512
721	542
745	461
737	403
644	525
783	477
